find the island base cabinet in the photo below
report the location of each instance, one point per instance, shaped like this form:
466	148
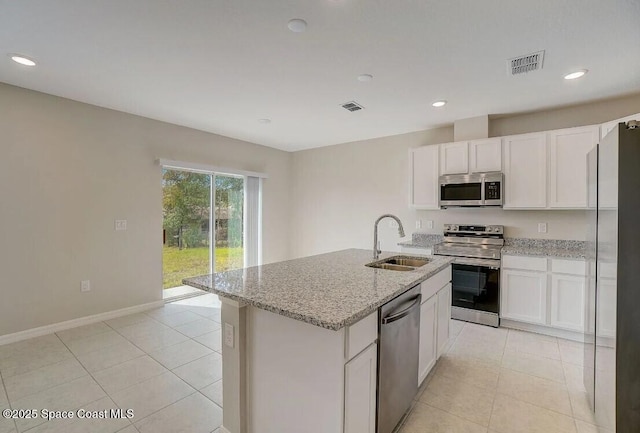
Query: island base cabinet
428	337
360	392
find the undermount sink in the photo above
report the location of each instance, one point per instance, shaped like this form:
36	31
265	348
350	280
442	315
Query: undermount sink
399	263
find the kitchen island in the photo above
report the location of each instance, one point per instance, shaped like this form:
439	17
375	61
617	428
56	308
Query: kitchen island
299	339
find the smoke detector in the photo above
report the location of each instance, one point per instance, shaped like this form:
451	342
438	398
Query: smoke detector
526	63
352	106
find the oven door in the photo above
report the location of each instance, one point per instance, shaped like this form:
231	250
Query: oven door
476	285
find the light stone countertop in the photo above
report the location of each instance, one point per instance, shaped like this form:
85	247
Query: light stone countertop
558	248
330	290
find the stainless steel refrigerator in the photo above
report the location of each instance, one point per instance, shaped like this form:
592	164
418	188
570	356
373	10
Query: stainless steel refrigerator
612	327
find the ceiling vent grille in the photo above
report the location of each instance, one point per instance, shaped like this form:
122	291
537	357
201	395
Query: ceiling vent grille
527	63
352	106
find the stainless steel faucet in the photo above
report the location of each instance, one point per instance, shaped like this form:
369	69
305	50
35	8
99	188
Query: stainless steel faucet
376	247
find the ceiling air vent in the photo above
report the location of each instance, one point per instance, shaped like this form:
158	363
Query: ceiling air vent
524	64
352	106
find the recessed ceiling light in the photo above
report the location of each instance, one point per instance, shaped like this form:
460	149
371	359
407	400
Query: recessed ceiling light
297	25
576	74
439	103
365	77
264	121
22	60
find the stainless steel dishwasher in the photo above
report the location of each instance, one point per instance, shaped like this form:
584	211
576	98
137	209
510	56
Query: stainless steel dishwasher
399	325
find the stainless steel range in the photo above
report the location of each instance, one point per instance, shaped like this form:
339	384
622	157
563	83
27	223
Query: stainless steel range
475	271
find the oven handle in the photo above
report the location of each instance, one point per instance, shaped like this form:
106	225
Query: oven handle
486	263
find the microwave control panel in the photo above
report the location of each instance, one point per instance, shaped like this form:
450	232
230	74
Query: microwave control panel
492	191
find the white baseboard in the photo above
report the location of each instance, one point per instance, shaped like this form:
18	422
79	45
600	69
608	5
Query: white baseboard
87	320
545	330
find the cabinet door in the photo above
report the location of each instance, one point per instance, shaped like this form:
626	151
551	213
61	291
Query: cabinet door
444	318
568	149
423	169
428	337
567	302
524	296
485	155
454	158
525	169
360	392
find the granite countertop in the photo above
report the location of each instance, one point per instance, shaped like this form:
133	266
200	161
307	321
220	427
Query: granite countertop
330	290
559	248
422	240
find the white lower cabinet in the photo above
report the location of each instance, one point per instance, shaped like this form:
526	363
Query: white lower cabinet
567	302
524	296
444	318
428	337
542	291
360	392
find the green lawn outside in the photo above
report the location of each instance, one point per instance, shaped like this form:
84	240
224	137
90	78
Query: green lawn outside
189	262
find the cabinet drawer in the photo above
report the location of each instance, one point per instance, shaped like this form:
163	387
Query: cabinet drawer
435	283
573	267
527	263
361	334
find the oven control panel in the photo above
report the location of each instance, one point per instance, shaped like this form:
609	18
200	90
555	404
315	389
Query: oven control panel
473	228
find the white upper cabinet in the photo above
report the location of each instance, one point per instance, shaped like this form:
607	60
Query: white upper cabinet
423	175
454	158
525	170
605	128
485	155
568	149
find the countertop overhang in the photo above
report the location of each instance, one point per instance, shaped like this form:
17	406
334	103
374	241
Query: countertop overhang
331	290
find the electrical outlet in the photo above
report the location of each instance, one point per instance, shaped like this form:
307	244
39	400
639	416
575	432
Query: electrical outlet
430	224
393	224
542	227
418	224
228	335
85	285
121	225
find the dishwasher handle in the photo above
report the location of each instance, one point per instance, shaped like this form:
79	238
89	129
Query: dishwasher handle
399	315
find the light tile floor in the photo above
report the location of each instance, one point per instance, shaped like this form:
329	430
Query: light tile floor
165	364
503	381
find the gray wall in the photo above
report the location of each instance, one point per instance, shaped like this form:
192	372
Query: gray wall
67	171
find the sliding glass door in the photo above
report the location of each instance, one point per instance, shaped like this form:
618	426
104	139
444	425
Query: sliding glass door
186	202
200	238
228	252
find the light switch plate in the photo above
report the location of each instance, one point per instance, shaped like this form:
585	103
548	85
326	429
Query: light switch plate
418	224
430	224
85	285
121	225
228	335
542	227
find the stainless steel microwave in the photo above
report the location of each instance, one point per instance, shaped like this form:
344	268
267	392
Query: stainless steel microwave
472	190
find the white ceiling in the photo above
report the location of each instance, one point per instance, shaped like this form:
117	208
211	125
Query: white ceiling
220	65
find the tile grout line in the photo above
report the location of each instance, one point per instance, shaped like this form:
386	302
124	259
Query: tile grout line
94	379
196	390
6	394
145	354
